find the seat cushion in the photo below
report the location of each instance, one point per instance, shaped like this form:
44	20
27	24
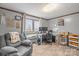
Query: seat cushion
23	50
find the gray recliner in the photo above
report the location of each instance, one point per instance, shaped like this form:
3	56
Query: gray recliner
20	48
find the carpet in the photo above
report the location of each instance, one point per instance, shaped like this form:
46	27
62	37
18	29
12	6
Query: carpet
53	50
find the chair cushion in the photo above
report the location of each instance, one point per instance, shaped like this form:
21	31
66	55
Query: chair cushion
23	50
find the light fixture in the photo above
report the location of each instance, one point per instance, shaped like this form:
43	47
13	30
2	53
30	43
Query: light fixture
50	7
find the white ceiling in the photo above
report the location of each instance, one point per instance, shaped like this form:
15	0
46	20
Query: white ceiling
36	9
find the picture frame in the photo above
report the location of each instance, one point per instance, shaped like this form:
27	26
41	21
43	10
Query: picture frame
61	22
10	23
18	24
18	17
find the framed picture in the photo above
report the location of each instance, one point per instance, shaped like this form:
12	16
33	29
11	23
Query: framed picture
10	23
61	22
18	17
18	24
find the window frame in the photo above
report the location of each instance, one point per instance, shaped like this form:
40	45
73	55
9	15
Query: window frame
32	23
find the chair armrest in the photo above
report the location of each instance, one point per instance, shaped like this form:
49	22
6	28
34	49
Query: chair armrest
26	43
7	50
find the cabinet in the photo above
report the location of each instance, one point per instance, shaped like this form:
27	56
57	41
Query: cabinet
63	37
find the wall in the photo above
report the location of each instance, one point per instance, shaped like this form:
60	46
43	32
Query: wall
71	24
11	15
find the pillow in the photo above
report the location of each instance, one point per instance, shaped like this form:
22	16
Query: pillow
26	42
8	49
14	37
9	42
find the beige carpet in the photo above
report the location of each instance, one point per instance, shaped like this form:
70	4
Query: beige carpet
53	50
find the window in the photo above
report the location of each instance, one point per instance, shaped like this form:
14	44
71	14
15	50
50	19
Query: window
28	25
36	26
31	25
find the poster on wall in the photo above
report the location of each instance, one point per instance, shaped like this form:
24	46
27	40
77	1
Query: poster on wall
61	22
10	23
18	24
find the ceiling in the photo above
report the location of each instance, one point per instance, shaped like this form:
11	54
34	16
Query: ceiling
36	9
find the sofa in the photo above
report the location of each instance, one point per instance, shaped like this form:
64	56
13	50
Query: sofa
15	46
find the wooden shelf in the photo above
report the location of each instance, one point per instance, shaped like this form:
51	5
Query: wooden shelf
73	41
73	37
72	45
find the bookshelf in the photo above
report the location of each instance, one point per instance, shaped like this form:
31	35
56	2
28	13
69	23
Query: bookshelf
74	40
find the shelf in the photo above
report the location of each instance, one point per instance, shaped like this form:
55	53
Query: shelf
73	37
72	45
73	41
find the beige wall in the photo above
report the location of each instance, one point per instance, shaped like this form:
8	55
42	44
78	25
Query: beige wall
7	15
71	24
